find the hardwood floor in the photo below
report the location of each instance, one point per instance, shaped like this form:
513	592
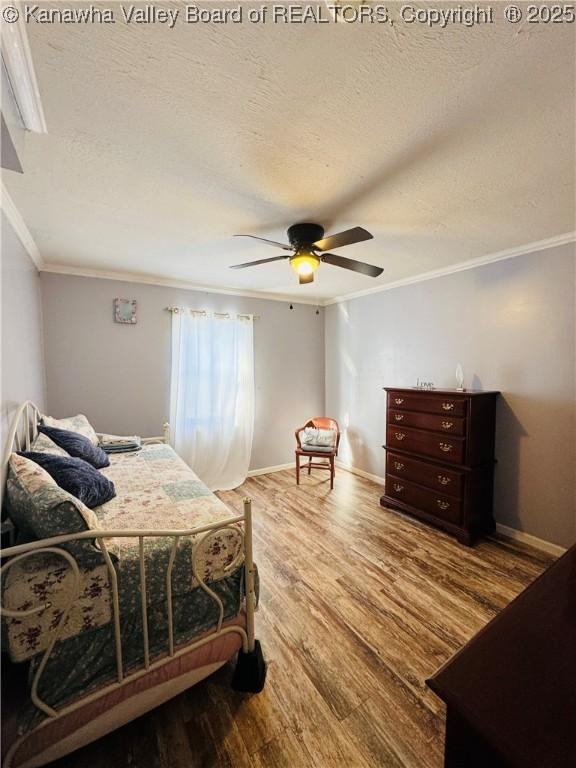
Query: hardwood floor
358	605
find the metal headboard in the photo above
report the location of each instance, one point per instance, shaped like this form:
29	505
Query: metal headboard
21	435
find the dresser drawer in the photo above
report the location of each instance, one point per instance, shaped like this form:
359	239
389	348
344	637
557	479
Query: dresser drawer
449	425
429	403
445	448
437	504
433	476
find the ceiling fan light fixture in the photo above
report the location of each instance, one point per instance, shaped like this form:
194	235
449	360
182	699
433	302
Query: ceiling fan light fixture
306	240
304	263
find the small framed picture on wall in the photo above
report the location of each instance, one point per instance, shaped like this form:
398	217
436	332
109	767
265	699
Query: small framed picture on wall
125	311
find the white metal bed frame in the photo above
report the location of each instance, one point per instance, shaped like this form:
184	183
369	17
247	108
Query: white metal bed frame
20	437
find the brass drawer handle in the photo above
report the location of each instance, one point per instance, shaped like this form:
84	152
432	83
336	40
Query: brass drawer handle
443	480
442	504
447	424
448	406
399	400
398	465
398	488
446	447
399	416
399	435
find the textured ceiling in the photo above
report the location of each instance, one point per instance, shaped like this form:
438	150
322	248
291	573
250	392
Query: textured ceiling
448	144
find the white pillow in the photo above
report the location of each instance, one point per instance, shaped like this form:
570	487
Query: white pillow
78	424
326	438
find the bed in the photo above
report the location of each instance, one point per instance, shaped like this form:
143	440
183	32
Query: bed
115	620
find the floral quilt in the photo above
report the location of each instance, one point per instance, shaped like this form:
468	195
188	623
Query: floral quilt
47	579
156	490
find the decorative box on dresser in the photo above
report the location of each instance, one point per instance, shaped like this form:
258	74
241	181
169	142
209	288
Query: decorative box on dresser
440	458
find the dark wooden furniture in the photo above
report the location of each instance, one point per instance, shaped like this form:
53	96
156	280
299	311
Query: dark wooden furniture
511	691
319	422
440	458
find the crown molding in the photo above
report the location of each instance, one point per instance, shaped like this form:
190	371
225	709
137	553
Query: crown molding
19	226
17	59
510	253
136	277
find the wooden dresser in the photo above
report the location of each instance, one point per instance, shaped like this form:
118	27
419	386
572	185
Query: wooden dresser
440	458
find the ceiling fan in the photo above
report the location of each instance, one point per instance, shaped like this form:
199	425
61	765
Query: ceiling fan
308	248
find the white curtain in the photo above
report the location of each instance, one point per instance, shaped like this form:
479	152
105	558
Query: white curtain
212	395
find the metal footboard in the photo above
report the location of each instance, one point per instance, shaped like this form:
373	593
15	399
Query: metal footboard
203	536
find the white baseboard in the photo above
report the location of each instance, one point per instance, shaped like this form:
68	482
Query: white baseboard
503	530
360	472
340	464
269	470
532	541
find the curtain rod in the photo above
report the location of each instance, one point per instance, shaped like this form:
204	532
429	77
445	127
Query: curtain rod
223	315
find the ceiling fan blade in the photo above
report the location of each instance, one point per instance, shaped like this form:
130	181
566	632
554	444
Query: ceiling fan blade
348	237
270	242
260	261
355	266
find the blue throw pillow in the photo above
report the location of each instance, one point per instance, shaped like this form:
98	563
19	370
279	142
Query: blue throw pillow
76	476
77	445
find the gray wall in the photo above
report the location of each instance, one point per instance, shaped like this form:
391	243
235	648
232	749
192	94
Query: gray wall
512	326
119	375
22	343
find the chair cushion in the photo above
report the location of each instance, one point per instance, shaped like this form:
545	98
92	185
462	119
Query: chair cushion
317	448
77	445
313	439
77	423
76	476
